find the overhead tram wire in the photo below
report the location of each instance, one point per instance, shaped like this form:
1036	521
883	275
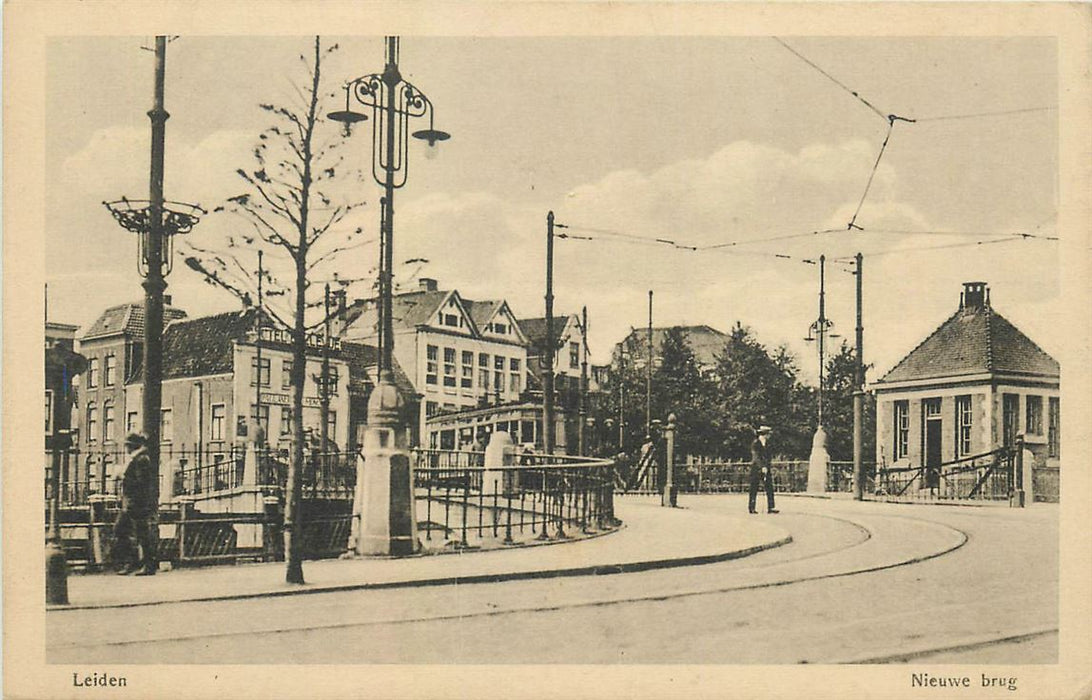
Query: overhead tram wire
834	80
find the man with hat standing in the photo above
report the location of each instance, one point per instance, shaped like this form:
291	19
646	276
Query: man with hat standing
136	512
760	470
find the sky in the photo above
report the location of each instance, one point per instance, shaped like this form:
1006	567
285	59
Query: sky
703	141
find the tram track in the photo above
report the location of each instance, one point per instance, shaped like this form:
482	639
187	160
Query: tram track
491	610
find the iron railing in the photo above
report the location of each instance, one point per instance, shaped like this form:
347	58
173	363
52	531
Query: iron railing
735	477
458	501
462	503
985	476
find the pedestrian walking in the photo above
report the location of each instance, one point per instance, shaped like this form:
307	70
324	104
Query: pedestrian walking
135	519
761	471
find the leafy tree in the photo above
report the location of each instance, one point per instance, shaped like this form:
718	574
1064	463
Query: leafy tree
841	383
756	388
678	387
296	219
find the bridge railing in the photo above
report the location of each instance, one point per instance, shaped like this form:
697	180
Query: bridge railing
984	476
462	502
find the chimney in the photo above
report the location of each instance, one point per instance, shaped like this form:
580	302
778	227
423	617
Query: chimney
427	284
976	296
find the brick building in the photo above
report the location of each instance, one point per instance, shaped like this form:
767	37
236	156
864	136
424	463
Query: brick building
968	388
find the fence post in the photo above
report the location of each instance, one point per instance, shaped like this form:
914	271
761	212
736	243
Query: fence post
185	509
97	523
669	498
271	528
1017	473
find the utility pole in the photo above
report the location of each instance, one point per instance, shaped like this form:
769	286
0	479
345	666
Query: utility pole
648	375
258	436
580	432
621	398
324	429
548	369
821	333
858	392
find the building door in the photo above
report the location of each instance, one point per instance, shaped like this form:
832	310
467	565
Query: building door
1010	417
932	433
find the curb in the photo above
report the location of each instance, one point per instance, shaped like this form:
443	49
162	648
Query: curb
590	570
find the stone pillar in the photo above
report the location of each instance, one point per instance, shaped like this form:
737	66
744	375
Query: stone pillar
384	498
250	463
499	453
817	463
1029	477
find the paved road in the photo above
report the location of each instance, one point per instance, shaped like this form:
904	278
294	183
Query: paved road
861	582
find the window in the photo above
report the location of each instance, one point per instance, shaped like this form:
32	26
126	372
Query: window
449	366
166	425
1033	422
902	429
49	412
331	425
498	373
92	423
514	364
932	407
110	371
286	420
451	320
467	380
286	374
108	422
216	425
501	328
262	374
513	383
262	416
333	378
574	355
431	408
514	380
432	354
93	373
1054	427
483	371
963	417
131	422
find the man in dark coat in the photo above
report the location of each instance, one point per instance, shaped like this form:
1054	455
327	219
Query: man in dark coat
136	514
760	471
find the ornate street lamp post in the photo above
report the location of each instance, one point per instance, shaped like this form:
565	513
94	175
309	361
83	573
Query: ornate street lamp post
818	332
386	517
156	222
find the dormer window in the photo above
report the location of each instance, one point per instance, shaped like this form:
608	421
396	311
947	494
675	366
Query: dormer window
500	328
450	320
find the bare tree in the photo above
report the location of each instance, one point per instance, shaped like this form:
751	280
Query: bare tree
301	228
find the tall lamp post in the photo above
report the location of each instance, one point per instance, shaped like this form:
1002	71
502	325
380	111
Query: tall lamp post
818	332
156	222
386	521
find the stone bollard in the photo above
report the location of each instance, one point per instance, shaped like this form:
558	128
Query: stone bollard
386	506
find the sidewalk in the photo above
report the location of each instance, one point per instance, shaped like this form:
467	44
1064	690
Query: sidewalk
651	537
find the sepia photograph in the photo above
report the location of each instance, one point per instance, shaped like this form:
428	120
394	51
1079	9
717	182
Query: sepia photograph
618	355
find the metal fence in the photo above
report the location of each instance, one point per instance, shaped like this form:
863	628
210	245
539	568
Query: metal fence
459	501
462	502
734	477
202	470
985	476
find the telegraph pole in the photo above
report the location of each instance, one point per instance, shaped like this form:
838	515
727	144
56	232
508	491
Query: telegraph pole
258	369
858	393
324	429
548	378
580	432
155	284
648	375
